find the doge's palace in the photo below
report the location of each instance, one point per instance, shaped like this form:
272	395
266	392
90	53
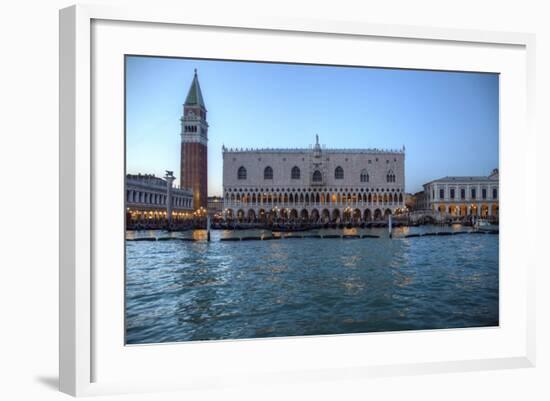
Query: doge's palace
315	184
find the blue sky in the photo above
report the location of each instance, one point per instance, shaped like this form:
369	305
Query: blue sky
448	121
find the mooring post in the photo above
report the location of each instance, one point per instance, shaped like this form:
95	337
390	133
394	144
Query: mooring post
169	177
208	228
389	226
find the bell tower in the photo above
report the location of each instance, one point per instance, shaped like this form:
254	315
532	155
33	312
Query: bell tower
194	146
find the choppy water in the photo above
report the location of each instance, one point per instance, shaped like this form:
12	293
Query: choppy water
179	291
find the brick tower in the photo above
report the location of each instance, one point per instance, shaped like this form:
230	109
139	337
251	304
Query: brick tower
194	138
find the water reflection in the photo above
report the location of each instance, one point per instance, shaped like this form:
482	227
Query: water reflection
179	289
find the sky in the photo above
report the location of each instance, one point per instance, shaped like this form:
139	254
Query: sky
447	121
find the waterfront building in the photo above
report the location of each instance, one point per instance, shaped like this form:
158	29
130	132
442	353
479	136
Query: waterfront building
154	202
313	184
194	149
410	201
464	196
215	207
420	201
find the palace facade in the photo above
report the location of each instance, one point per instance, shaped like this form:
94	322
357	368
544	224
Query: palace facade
153	201
313	184
463	196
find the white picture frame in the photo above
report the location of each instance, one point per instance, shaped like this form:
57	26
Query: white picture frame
83	349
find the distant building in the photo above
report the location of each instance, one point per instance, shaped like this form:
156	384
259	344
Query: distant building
313	184
409	201
194	146
215	206
419	201
464	196
153	201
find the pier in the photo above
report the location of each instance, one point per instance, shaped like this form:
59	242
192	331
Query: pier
293	236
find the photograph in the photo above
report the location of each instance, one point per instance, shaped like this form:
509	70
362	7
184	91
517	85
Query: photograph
271	199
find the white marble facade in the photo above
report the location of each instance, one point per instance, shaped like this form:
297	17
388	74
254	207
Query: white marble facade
313	184
464	196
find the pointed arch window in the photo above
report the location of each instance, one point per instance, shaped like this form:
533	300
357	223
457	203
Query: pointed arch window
317	176
364	176
390	177
339	173
241	173
268	173
295	173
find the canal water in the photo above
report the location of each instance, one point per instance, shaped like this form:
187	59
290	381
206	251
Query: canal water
197	290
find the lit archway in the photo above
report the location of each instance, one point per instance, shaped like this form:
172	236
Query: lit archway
240	215
347	214
262	215
314	215
368	215
484	210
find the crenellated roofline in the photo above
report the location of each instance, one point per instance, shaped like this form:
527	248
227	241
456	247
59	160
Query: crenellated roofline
311	149
316	148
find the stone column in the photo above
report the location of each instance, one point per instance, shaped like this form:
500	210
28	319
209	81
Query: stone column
169	177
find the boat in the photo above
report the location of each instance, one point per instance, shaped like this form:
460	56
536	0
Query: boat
484	225
288	228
